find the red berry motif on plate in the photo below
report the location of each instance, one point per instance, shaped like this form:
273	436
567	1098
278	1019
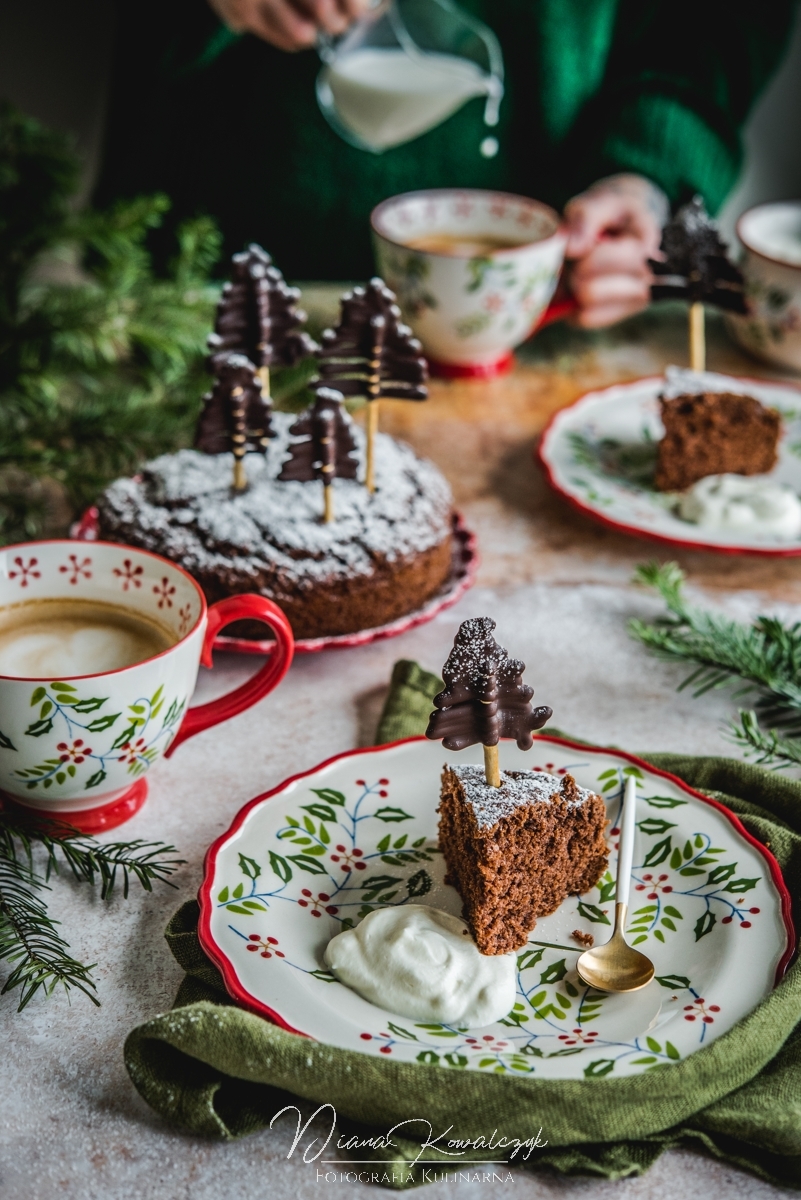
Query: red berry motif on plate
579	1037
349	860
318	904
699	1010
487	1043
654	885
129	574
25	571
76	570
266	947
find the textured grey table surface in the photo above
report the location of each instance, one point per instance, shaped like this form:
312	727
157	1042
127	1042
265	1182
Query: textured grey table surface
71	1123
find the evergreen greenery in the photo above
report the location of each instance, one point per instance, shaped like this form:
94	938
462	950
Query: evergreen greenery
29	938
101	361
762	660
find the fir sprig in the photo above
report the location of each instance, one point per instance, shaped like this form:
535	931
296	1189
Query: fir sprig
29	939
762	659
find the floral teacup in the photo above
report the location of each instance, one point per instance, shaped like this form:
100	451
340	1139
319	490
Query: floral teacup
76	747
473	271
771	237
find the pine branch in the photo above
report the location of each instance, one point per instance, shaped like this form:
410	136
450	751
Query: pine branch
28	935
767	747
763	659
30	941
90	861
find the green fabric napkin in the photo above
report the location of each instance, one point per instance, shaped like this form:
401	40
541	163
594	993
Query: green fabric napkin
215	1069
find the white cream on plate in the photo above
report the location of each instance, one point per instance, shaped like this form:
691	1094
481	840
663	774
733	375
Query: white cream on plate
743	504
421	962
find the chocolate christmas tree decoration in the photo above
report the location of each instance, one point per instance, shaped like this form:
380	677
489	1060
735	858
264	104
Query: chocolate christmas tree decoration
236	415
697	268
326	446
258	317
371	353
484	698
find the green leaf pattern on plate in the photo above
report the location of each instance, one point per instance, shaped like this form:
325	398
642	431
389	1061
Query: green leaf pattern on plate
339	870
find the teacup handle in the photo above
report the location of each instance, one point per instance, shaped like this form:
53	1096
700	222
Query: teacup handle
557	310
239	608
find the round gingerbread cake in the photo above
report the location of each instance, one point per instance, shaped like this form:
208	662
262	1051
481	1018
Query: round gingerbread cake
383	556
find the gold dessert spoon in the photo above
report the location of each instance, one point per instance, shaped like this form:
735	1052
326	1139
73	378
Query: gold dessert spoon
616	966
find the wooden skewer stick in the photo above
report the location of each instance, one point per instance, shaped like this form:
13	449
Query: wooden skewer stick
379	328
264	376
492	768
238	439
329	504
697	337
372	430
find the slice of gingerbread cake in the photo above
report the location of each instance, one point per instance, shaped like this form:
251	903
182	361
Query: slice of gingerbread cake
515	852
712	428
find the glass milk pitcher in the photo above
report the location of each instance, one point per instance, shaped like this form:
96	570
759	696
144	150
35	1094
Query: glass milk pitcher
404	68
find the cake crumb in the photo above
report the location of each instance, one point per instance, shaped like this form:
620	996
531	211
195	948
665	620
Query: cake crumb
583	939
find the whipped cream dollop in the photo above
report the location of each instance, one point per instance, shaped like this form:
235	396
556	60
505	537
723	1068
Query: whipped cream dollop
421	962
741	504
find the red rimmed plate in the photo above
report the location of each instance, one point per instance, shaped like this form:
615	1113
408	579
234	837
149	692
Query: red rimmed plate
598	454
463	575
709	907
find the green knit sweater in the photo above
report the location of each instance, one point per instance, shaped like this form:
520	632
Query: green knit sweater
230	126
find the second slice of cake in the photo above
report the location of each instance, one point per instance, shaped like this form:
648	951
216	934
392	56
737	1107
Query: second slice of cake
514	853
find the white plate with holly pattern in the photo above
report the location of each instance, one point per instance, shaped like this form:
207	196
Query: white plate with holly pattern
600	452
709	907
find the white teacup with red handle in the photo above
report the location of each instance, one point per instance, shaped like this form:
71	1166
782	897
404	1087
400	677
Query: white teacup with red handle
99	652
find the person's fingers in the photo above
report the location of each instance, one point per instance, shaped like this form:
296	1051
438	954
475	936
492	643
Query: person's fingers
601	315
592	215
613	256
353	9
275	21
610	289
325	14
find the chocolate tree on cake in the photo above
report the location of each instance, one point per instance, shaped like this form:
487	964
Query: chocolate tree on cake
515	843
258	319
236	414
258	316
696	267
323	446
371	353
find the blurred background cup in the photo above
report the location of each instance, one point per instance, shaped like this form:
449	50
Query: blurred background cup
473	271
771	238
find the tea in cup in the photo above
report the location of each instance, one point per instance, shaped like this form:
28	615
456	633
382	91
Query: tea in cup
473	271
100	646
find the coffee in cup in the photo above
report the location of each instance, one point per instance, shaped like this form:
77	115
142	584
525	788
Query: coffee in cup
58	638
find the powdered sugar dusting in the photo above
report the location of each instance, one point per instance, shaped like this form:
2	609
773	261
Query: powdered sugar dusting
518	788
679	381
475	653
183	507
